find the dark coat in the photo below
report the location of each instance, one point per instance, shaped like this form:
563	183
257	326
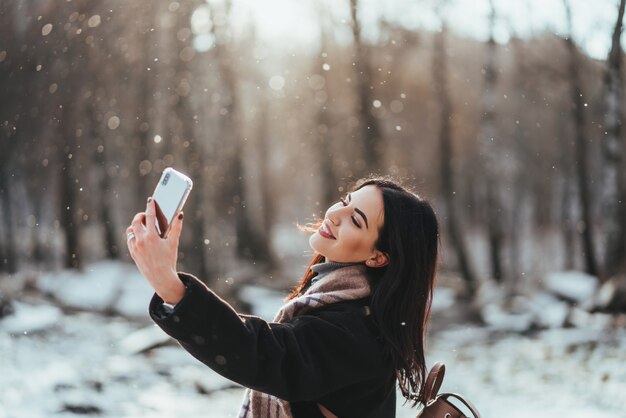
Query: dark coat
330	355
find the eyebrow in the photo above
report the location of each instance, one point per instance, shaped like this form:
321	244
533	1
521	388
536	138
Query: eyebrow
359	211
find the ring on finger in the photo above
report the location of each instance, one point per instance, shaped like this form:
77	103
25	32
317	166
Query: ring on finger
130	236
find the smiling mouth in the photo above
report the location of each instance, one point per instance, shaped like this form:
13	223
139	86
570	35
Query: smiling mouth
325	231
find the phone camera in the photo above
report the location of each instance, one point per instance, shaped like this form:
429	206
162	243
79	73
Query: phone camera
165	179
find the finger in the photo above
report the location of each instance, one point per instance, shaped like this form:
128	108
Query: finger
138	223
129	242
151	217
162	221
176	229
131	248
129	231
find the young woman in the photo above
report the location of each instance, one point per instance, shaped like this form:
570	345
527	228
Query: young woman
352	328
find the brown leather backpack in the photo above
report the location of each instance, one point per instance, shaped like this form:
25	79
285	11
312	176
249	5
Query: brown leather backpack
438	406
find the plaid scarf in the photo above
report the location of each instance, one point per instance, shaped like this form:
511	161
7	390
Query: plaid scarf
345	283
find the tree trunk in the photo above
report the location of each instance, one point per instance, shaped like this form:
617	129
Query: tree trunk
146	177
327	176
11	80
612	147
267	187
39	252
70	220
567	190
106	203
70	114
322	144
446	158
520	183
371	135
578	116
8	262
491	149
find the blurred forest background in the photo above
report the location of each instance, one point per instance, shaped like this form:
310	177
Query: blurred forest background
506	115
518	142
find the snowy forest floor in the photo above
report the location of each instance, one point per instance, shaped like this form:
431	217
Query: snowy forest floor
76	362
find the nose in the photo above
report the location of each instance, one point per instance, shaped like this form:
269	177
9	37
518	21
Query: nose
335	214
332	217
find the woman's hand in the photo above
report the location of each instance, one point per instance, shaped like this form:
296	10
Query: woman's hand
154	256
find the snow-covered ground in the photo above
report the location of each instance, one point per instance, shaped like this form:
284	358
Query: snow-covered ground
67	363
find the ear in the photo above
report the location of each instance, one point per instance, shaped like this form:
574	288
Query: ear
379	259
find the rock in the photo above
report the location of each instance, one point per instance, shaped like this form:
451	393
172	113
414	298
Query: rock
611	296
6	306
82	409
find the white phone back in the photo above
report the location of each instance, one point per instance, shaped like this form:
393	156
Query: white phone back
171	192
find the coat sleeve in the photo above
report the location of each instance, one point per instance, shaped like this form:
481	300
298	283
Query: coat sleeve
299	360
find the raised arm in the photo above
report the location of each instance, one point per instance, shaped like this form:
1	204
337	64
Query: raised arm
298	360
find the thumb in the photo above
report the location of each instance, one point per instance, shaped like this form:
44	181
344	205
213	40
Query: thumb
176	229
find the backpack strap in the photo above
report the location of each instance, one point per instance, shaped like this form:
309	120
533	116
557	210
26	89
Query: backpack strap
465	402
433	383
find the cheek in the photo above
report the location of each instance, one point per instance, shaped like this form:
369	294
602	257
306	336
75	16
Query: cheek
356	243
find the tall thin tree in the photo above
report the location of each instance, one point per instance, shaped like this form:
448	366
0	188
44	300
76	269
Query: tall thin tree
10	80
491	147
582	170
440	77
323	126
371	132
612	147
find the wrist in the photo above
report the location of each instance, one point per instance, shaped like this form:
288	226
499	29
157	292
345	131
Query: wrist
173	291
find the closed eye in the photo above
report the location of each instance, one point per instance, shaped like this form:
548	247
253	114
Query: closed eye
354	221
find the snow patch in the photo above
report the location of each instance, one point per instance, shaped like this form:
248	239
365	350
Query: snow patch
547	310
572	285
265	302
443	299
105	285
499	319
30	318
143	340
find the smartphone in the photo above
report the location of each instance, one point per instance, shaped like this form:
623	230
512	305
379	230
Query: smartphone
170	195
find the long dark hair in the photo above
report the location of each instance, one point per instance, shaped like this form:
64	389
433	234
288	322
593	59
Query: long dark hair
402	290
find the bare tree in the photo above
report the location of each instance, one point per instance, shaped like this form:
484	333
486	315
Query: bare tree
568	193
71	219
491	148
371	134
522	153
578	116
612	147
266	183
440	70
322	140
10	75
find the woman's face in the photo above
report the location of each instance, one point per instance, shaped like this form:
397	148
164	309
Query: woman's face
350	228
